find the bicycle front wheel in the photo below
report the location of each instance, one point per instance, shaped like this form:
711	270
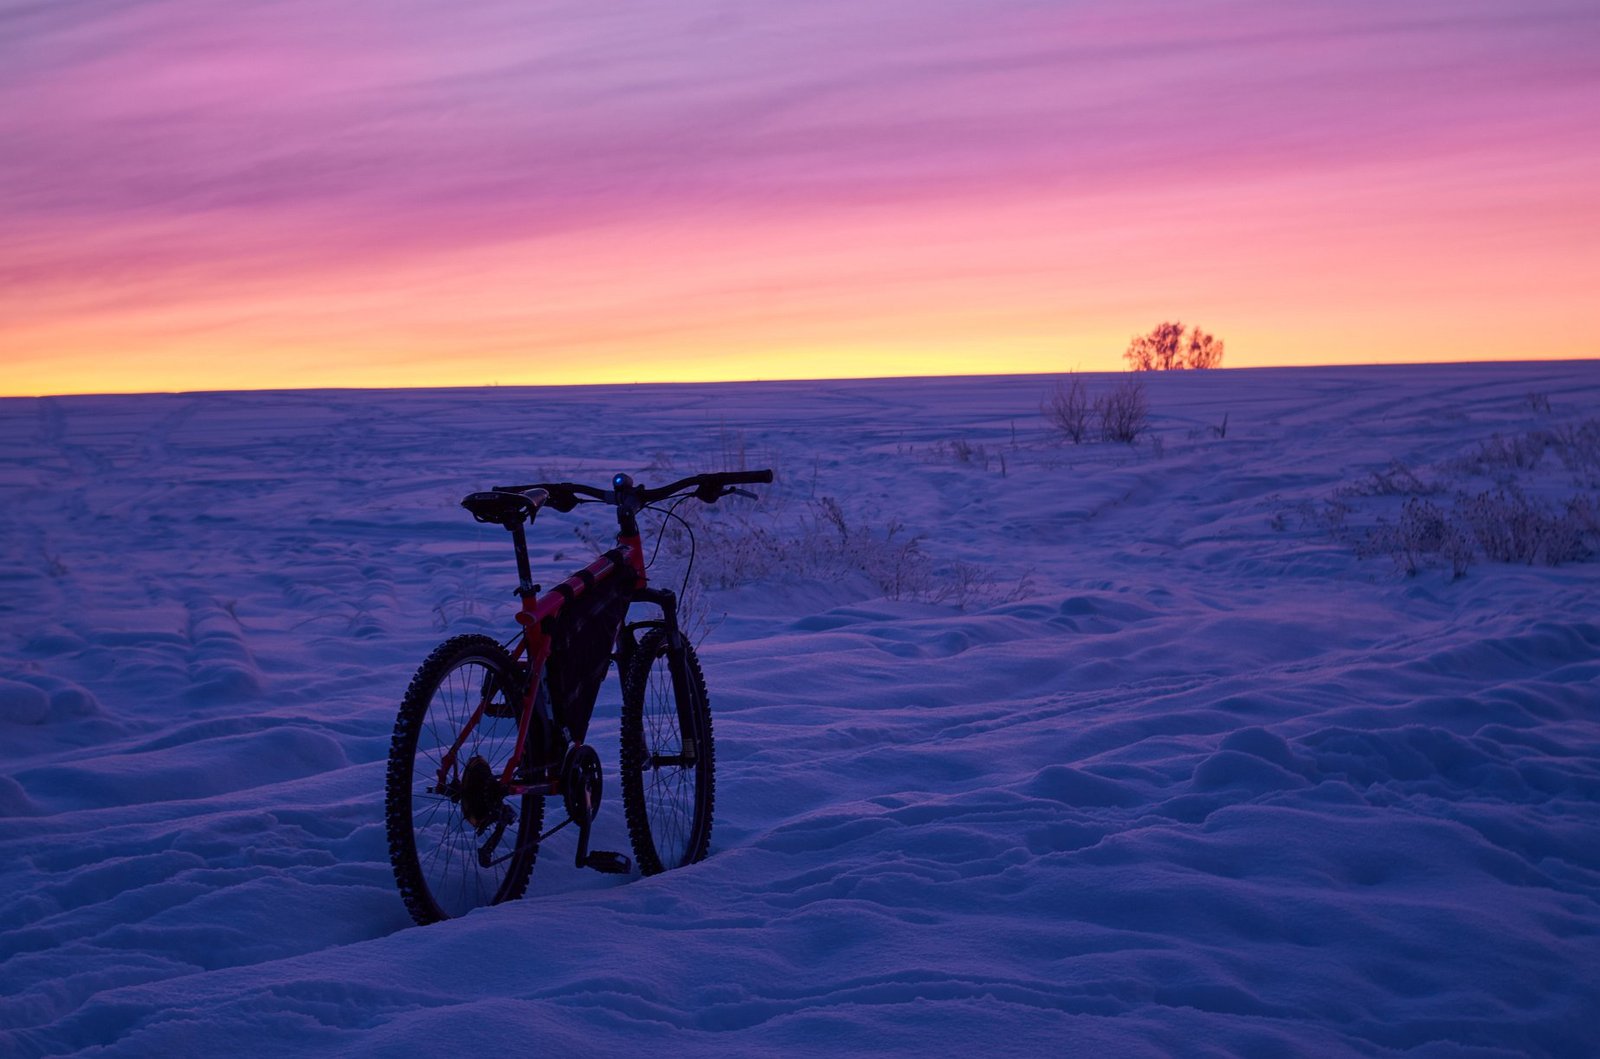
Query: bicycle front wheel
668	758
446	820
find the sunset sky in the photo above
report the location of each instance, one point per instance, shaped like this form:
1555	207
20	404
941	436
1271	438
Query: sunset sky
417	192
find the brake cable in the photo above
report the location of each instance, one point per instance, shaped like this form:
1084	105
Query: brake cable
672	512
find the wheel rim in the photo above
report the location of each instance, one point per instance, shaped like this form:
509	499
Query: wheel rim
669	788
447	846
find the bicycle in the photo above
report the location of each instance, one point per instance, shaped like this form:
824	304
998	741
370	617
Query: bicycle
487	730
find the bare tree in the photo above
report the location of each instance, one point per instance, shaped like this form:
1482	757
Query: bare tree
1166	348
1160	350
1204	351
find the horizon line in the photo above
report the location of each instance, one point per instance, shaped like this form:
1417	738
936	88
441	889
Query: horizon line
748	381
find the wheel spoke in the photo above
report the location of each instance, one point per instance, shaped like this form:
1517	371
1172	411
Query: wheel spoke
664	789
436	859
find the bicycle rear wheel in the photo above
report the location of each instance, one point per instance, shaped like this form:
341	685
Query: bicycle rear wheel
668	772
438	818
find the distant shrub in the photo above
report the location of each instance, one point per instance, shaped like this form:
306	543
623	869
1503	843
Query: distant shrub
1067	409
1119	415
1168	348
1519	452
1515	521
1426	529
817	540
1502	526
1584	511
828	545
1394	480
974	454
1511	527
1123	413
1578	446
966	585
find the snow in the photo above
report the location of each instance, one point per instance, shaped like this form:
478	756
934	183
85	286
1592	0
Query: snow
1170	770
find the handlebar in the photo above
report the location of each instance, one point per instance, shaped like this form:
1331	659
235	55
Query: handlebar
711	487
707	487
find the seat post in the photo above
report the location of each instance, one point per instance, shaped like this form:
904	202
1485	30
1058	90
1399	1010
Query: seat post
519	541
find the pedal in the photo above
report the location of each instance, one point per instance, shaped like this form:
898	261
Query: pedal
607	862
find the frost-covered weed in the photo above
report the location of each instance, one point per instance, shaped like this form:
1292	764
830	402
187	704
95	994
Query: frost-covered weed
1508	523
815	542
1394	480
1503	525
1331	516
1511	527
1123	413
1578	447
968	585
1519	452
1067	409
1423	531
972	454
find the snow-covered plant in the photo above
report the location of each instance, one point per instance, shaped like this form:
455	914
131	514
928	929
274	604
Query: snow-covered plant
1394	480
1517	452
1123	413
1503	526
1578	446
1425	529
1067	409
816	542
1511	527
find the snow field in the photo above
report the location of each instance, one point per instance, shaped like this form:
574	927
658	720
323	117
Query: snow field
1184	777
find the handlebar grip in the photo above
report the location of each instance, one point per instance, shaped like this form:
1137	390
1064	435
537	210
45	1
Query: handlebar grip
712	485
739	477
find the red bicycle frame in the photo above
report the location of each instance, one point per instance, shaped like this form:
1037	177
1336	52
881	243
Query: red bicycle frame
535	617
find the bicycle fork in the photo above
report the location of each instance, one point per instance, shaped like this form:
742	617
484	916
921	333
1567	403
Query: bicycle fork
684	693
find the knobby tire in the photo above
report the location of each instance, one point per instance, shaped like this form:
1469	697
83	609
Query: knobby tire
432	848
668	806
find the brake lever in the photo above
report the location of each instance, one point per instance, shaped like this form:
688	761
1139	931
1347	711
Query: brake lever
734	490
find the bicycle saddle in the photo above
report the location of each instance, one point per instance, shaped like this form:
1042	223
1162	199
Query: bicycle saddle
505	507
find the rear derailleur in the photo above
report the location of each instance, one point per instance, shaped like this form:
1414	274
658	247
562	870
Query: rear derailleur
482	798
